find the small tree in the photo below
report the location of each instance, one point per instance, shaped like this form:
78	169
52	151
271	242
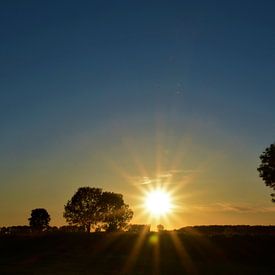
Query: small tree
116	213
39	220
84	208
160	227
267	167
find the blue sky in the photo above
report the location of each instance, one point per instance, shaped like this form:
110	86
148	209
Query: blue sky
80	79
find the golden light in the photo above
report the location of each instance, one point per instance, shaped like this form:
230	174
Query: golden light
158	202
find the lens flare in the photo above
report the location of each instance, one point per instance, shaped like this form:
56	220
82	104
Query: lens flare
158	202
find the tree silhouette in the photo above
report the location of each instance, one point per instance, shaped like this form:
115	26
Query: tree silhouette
116	213
160	227
84	208
267	167
90	207
39	220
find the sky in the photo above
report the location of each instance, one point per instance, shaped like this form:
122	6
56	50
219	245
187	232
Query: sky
127	95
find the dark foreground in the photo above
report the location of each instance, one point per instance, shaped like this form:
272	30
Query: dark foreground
129	253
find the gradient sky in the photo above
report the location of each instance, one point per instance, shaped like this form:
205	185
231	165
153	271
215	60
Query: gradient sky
124	94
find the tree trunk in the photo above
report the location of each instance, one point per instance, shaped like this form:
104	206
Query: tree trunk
88	227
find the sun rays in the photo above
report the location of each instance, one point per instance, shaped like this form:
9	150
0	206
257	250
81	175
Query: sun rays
157	181
158	202
155	163
157	185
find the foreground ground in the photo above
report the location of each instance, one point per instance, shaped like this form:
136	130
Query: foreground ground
128	253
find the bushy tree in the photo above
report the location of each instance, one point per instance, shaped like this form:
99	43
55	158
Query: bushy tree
84	208
267	167
160	227
90	207
39	220
116	213
139	228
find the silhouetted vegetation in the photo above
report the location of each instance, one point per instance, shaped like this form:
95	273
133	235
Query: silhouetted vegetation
15	230
39	220
215	249
160	227
92	208
115	213
267	167
139	228
70	229
228	230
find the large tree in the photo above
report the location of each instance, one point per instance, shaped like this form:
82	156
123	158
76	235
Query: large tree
267	167
117	214
39	220
90	207
84	208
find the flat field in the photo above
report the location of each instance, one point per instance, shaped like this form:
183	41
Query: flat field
132	253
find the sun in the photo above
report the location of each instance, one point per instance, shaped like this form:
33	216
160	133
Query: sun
158	202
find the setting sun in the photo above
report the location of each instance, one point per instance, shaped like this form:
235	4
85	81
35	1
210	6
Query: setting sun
158	202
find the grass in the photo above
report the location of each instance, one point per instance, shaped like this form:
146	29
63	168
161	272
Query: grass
129	253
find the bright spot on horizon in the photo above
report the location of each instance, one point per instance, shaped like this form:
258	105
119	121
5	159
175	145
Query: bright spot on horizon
158	202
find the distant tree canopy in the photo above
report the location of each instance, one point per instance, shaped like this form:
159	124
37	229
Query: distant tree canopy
160	227
139	228
91	207
39	220
84	208
116	214
267	167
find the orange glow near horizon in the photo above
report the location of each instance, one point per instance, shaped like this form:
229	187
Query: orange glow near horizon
156	188
159	204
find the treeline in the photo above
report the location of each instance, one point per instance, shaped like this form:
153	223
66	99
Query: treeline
27	230
89	209
206	230
227	230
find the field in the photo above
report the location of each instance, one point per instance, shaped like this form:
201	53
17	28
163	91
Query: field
132	253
